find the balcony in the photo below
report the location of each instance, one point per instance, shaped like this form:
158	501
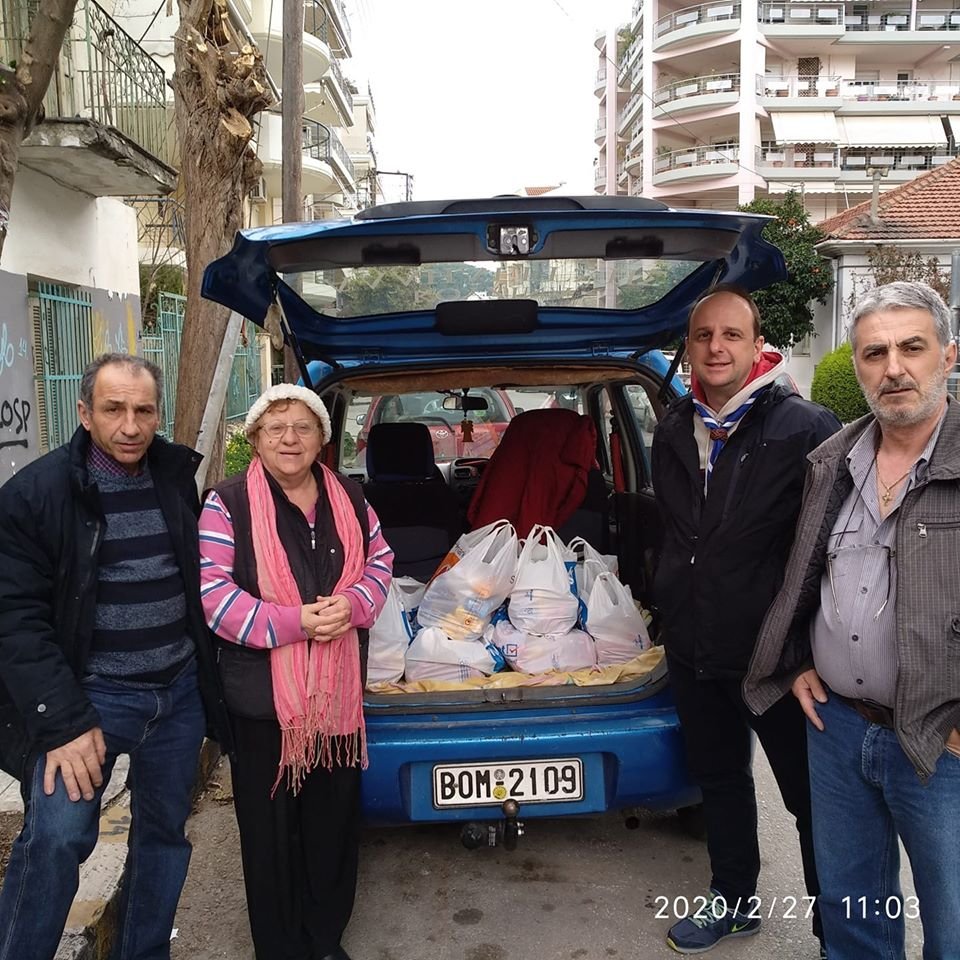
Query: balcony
600	131
834	92
633	164
631	112
636	137
848	165
600	177
802	20
341	24
696	23
330	101
811	19
697	93
327	167
601	81
106	114
267	30
696	163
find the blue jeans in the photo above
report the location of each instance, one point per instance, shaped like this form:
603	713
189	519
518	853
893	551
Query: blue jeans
162	730
865	794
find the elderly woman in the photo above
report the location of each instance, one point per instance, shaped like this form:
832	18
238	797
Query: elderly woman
293	570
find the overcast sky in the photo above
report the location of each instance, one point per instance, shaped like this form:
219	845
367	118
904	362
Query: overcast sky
479	98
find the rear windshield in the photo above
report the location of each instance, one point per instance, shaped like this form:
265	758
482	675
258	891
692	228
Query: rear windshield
585	283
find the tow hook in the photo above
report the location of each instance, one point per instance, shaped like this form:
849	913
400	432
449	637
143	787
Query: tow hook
507	831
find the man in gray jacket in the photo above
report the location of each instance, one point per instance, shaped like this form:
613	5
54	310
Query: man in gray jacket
866	633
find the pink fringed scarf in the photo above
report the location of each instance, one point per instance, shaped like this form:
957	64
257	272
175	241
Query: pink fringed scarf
317	689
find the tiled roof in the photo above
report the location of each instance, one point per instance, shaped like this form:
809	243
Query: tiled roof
540	191
925	208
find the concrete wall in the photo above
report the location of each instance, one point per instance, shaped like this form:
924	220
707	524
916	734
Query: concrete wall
68	237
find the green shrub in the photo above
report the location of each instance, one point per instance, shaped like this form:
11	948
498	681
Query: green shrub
835	385
237	454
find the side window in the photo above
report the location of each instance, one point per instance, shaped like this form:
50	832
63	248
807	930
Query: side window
646	416
604	427
355	430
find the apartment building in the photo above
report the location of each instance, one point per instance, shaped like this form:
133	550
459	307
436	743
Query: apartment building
715	104
69	280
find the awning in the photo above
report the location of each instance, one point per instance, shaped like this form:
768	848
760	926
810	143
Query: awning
955	127
812	127
925	131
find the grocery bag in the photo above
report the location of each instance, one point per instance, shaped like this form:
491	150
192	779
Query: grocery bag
434	656
614	621
461	599
411	593
389	637
590	562
535	653
544	598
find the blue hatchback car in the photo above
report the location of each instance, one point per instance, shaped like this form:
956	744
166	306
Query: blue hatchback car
433	311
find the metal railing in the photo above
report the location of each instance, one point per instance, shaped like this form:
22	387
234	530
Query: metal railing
601	76
891	19
864	90
322	143
701	13
701	156
342	84
851	159
343	18
801	14
102	74
697	87
315	20
601	129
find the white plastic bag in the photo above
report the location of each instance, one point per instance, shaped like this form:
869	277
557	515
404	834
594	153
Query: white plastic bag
544	599
533	653
590	562
461	599
614	621
411	594
389	637
434	656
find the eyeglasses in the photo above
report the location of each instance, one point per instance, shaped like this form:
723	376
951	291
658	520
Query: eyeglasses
833	554
302	428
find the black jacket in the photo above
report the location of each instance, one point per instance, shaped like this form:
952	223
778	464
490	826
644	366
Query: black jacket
51	527
723	557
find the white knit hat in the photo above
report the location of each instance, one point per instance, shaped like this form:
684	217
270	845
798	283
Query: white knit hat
288	391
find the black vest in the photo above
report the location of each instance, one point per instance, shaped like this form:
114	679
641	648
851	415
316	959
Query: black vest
245	671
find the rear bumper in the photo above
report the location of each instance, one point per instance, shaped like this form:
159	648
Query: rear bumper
632	756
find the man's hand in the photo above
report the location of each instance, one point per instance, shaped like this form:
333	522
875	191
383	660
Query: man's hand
808	689
333	620
953	742
79	763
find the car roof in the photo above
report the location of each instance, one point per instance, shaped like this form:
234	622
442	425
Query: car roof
717	246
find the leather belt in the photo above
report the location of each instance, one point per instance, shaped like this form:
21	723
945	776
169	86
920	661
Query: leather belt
871	712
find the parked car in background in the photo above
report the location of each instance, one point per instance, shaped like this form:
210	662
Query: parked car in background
552	331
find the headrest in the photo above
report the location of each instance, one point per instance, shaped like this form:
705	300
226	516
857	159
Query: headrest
400	451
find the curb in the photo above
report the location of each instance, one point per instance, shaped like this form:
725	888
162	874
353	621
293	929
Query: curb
91	923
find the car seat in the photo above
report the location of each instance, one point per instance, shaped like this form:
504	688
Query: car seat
545	471
418	512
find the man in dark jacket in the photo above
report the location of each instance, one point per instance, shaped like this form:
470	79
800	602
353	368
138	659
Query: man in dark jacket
103	650
728	470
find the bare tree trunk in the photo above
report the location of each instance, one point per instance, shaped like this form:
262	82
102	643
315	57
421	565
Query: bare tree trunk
216	95
22	91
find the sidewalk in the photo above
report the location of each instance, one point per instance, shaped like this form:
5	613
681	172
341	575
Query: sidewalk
89	931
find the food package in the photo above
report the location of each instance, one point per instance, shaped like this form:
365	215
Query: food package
544	598
393	630
535	653
434	656
614	622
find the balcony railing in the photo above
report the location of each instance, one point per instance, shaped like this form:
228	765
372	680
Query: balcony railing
322	143
697	87
315	20
702	13
862	90
342	84
702	156
600	174
892	19
852	159
600	130
342	16
102	74
801	14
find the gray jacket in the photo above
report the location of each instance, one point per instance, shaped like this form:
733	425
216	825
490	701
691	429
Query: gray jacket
927	703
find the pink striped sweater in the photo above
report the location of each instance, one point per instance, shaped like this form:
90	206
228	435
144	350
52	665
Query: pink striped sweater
237	616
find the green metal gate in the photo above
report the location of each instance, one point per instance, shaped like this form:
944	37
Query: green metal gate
63	346
162	347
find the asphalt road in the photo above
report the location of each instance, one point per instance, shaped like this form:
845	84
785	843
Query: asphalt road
573	890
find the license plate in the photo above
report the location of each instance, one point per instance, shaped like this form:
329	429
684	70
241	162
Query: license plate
526	781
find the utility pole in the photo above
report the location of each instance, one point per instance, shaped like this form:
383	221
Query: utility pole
292	138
